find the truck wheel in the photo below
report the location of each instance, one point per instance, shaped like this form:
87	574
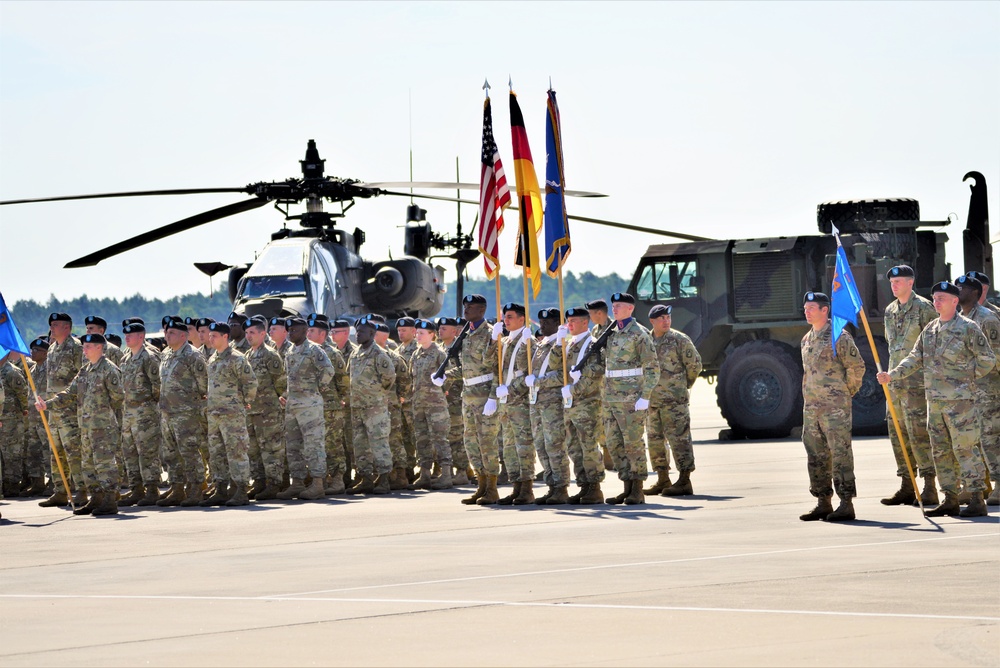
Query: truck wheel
760	390
868	405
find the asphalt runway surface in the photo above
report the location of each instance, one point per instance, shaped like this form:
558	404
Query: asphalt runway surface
729	576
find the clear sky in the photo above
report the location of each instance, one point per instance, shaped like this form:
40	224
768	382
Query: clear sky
718	119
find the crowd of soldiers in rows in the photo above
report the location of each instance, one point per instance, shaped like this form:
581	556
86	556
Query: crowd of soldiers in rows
287	408
944	386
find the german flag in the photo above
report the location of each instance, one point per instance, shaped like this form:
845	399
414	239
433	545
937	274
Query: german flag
529	200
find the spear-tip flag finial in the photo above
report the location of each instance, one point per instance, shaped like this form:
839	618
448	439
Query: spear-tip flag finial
486	86
510	83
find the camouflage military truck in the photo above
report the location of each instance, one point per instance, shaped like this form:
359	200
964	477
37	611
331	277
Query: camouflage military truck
740	301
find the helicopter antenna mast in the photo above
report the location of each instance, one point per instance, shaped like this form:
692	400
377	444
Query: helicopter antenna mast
409	95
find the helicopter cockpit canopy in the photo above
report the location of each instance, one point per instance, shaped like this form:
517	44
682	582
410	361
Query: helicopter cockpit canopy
295	275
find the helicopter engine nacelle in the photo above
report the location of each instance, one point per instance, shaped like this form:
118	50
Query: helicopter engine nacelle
404	286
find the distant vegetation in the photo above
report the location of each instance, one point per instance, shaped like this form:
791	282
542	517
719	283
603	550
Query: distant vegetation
32	317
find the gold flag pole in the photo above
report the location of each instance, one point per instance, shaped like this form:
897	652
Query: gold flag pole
48	433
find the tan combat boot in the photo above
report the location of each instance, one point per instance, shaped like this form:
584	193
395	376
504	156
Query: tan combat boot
365	485
949	508
239	495
194	496
843	513
525	495
36	487
592	494
444	480
635	496
491	495
480	490
173	497
218	497
133	496
994	497
88	508
460	479
620	498
382	483
334	485
823	508
258	484
57	499
398	479
80	498
271	490
150	497
509	499
680	488
108	504
662	481
976	507
314	490
294	489
423	481
904	496
929	495
559	496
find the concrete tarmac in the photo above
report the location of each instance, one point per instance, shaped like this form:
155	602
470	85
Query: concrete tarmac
729	576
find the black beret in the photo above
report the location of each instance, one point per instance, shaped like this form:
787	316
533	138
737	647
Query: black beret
549	314
425	324
816	297
291	322
318	324
969	282
405	322
945	286
365	321
376	317
461	321
577	312
622	297
447	321
979	276
257	320
133	321
660	310
95	320
318	316
39	343
93	338
514	306
340	323
114	338
597	304
381	327
204	322
220	327
60	317
191	322
177	324
237	316
134	327
900	271
165	320
276	321
474	299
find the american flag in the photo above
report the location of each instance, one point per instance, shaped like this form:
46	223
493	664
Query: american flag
494	197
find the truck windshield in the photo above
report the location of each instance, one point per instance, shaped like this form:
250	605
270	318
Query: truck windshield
257	287
668	280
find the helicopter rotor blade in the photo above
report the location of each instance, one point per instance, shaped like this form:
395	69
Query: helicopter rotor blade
166	231
458	186
137	193
585	219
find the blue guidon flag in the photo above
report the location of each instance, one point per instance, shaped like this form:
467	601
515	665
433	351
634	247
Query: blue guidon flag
557	245
10	338
845	301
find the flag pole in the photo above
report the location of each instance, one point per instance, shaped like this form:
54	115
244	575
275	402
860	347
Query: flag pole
562	321
48	433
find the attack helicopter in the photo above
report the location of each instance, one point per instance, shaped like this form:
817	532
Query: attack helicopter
318	267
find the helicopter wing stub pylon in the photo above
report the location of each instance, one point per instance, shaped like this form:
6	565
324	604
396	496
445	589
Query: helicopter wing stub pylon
166	231
138	193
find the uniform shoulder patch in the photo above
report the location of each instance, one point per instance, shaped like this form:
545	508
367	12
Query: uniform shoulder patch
854	351
981	342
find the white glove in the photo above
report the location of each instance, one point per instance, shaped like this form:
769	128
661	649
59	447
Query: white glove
567	392
490	408
526	334
497	331
576	376
641	404
437	381
562	333
502	391
529	380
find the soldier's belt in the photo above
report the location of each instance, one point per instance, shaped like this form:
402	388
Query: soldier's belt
479	379
518	374
623	373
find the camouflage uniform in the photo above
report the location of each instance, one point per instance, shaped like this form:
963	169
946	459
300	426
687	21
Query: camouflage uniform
989	393
284	349
547	412
953	356
348	431
631	372
429	409
479	364
308	371
183	386
903	324
241	346
409	438
12	414
265	418
515	414
582	420
372	378
668	420
96	393
400	390
36	448
231	386
333	410
141	438
61	366
828	383
452	387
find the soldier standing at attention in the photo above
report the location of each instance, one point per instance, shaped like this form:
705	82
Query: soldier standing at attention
448	330
141	437
631	373
13	420
276	330
545	401
905	318
668	421
333	404
237	338
582	418
515	415
200	341
402	467
97	325
64	361
308	371
598	312
265	416
429	410
97	393
989	386
479	404
953	353
406	331
340	336
829	381
37	443
373	377
183	387
232	385
985	281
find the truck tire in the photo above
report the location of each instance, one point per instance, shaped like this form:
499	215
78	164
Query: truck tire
843	213
868	405
760	390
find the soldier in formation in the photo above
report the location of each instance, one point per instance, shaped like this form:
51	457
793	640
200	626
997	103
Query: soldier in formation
373	377
429	410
